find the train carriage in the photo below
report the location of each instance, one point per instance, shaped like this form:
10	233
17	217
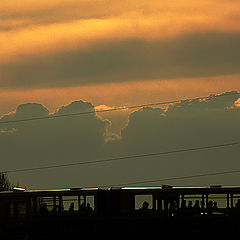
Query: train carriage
134	209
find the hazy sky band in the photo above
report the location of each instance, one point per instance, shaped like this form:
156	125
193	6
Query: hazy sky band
75	43
198	55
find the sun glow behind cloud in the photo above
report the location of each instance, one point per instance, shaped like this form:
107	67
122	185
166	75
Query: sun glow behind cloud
130	93
237	103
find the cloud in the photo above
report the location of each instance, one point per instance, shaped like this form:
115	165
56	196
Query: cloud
52	141
28	110
62	25
69	9
187	124
212	103
189	116
75	43
197	55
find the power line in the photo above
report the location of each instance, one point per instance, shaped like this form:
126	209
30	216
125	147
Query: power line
176	178
123	158
113	109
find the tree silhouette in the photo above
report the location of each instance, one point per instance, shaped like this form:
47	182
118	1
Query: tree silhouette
4	182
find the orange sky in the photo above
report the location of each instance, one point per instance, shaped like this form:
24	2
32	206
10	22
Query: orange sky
45	28
120	94
51	26
117	53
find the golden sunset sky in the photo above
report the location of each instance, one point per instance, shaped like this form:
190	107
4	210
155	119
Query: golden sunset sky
68	56
116	53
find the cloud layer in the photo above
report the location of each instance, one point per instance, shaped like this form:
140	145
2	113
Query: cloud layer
52	141
198	55
72	43
187	124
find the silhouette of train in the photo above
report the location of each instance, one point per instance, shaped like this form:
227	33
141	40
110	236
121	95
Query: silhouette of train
66	213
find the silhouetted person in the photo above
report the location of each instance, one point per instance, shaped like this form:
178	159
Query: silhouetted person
238	204
88	207
71	208
196	205
82	207
172	207
54	208
202	205
215	207
60	208
184	204
210	207
190	205
43	208
145	206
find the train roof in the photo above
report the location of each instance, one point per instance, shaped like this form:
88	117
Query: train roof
184	189
140	190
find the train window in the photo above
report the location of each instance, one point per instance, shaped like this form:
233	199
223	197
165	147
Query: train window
81	200
194	201
90	202
47	204
70	203
11	210
78	203
22	209
217	201
17	209
236	201
159	204
143	202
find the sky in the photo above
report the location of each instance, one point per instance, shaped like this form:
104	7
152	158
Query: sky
71	55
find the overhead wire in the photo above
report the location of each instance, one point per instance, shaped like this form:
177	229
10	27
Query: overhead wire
107	160
132	156
174	178
113	109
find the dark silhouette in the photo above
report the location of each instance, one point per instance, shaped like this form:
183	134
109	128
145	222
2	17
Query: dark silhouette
145	206
172	207
238	204
71	208
82	207
184	204
190	205
196	205
210	207
43	208
54	208
215	207
88	207
109	212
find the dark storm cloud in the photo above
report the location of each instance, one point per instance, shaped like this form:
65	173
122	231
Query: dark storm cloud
196	55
